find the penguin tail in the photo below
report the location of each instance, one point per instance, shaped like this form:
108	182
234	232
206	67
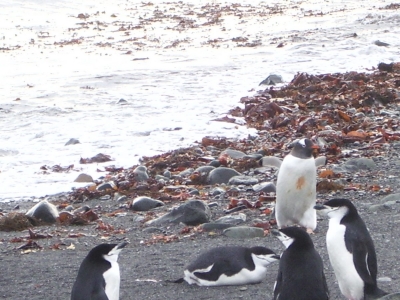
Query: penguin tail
375	294
179	280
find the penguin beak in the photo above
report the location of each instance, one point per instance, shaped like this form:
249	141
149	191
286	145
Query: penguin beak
122	245
319	207
276	256
315	146
275	232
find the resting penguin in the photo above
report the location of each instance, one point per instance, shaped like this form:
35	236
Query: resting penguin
301	271
296	187
351	250
98	276
230	265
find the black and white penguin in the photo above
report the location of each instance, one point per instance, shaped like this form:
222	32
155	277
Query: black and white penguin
98	276
296	187
301	271
230	265
351	250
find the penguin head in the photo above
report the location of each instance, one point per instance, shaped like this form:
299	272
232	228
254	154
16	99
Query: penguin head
263	255
337	208
303	148
108	252
293	236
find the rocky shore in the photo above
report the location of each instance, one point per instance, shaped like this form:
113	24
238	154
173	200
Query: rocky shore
176	205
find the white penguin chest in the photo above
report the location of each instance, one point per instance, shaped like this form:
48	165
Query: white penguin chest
112	279
297	176
350	283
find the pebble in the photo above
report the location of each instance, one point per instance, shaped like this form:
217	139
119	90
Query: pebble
145	203
266	187
242	232
44	211
217	191
186	172
84	178
221	175
242	179
192	212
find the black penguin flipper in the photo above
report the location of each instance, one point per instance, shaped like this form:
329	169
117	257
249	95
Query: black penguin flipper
364	262
100	295
220	267
277	288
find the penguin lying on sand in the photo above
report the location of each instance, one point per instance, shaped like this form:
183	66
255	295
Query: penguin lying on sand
301	271
230	265
296	186
351	250
98	276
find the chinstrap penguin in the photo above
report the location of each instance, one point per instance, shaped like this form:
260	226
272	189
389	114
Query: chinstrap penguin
296	187
301	271
351	250
98	276
230	265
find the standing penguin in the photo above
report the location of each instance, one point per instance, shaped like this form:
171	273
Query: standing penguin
301	271
230	265
351	250
296	187
98	276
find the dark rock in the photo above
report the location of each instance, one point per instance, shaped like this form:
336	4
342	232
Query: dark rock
122	101
217	191
254	156
221	175
192	212
72	142
186	172
145	203
44	211
242	179
272	80
266	187
167	174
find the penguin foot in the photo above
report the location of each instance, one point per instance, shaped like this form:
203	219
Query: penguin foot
310	231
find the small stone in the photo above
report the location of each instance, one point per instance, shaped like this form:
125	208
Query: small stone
214	163
242	179
44	211
254	156
242	232
137	218
167	174
72	142
105	198
186	172
83	178
384	279
243	288
266	187
221	175
122	101
145	203
122	198
140	174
